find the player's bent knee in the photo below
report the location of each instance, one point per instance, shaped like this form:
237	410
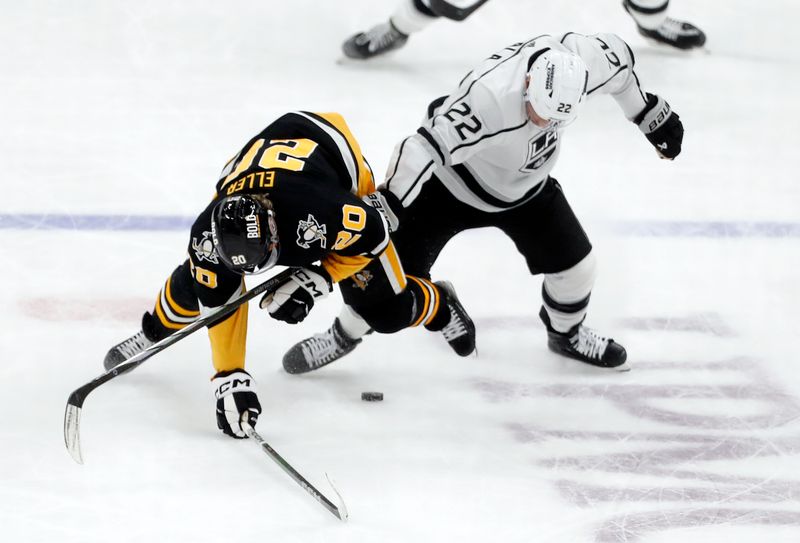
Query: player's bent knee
384	318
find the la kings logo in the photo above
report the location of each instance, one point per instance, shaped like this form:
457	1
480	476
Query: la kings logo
310	231
540	149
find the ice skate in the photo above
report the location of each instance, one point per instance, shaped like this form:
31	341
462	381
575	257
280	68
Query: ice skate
460	331
124	350
378	40
319	350
584	344
678	34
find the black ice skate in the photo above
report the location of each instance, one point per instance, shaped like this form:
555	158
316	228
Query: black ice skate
460	331
319	350
378	40
121	352
584	344
678	34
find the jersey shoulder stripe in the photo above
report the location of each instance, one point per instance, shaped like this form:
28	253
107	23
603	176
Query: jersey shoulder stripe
342	159
334	125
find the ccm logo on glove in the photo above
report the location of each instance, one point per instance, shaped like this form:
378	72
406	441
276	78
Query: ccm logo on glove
229	386
237	403
294	298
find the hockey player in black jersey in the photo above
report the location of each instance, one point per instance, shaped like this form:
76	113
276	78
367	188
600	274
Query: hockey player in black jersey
650	16
485	152
299	192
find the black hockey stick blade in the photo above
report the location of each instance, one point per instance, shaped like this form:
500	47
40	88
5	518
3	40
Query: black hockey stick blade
72	415
455	13
339	511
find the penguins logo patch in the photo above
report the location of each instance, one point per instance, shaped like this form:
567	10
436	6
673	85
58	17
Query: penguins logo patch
310	231
362	279
204	250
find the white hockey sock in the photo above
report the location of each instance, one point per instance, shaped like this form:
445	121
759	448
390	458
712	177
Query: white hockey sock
569	287
408	19
648	14
352	324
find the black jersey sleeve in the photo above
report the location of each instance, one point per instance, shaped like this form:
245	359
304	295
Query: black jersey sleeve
362	235
335	227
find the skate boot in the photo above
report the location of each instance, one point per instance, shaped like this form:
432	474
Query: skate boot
378	40
319	350
121	352
584	344
678	34
460	331
135	344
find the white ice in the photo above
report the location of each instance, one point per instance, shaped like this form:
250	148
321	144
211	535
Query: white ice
131	109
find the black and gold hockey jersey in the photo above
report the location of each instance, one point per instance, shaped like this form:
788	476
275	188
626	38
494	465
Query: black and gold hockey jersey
311	168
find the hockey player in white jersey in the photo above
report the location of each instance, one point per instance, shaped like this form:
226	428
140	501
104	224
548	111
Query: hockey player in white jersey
483	157
410	16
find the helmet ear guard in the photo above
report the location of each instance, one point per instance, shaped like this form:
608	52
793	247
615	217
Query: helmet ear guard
557	85
245	234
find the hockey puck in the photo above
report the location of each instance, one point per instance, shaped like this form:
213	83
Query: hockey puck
372	396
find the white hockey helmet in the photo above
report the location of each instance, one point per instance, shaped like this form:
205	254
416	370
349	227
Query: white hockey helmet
557	85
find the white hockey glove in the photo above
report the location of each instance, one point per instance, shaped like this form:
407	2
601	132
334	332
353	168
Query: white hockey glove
236	401
388	205
292	301
661	126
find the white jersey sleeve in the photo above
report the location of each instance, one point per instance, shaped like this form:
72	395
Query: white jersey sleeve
610	63
458	127
478	140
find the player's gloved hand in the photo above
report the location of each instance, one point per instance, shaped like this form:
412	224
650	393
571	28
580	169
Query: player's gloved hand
661	126
388	205
237	402
293	300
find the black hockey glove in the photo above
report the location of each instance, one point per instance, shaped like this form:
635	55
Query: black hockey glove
236	402
661	126
293	300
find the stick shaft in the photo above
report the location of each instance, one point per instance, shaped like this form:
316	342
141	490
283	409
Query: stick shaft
72	415
79	395
338	512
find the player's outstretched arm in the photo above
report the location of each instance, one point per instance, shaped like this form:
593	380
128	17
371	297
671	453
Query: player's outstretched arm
610	62
661	126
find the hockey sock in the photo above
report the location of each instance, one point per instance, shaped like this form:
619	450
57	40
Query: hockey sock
566	294
430	306
411	16
177	306
352	324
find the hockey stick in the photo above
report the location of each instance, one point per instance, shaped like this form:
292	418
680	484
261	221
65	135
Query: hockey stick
454	13
339	511
72	415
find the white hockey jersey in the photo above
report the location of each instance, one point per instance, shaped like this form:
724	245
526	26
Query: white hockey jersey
478	140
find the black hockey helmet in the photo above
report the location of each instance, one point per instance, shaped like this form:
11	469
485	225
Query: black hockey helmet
245	234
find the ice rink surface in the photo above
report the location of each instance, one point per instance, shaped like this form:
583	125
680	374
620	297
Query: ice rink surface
117	117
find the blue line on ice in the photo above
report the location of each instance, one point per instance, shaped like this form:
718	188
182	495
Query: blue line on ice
700	229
